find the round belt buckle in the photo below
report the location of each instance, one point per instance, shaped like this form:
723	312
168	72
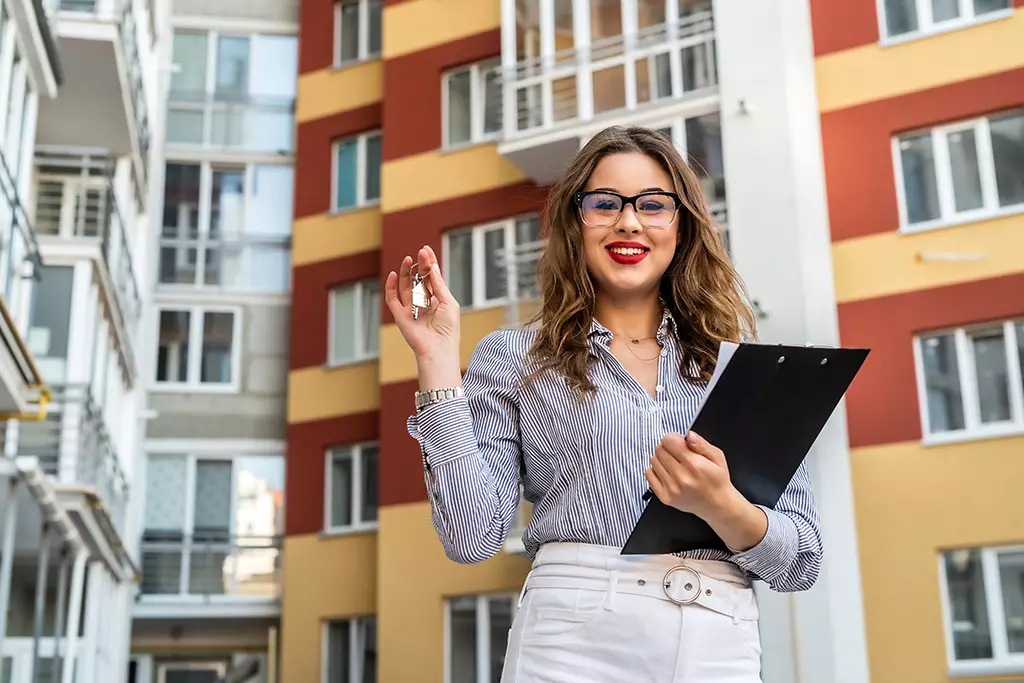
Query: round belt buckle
666	584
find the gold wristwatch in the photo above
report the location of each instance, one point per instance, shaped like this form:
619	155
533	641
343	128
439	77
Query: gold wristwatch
432	396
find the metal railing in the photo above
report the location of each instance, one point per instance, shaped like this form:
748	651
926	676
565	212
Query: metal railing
667	60
211	565
226	120
521	270
74	446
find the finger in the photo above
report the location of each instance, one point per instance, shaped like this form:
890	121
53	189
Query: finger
676	448
423	262
655	483
439	287
700	446
663	465
405	281
430	252
391	297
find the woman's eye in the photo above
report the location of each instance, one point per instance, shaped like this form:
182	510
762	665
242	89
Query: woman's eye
605	205
652	206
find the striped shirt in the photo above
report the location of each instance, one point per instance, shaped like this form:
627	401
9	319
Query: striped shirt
580	463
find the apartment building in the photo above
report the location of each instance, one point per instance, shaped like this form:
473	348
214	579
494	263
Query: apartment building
922	119
444	123
217	348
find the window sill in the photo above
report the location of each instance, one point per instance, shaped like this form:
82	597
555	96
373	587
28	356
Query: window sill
987	668
341	211
464	146
359	61
355	530
173	388
906	229
894	41
342	364
1002	431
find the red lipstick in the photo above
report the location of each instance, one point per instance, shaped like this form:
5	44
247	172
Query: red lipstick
634	252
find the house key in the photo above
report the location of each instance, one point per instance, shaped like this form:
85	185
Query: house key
420	298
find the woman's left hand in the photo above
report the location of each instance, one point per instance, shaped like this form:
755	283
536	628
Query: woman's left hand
691	475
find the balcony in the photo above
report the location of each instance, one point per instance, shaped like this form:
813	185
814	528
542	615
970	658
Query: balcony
229	121
208	574
77	216
103	103
554	102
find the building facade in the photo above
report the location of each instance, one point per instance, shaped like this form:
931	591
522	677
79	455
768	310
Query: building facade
216	347
922	120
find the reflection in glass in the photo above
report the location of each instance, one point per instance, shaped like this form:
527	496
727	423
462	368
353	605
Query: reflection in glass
901	16
944	10
1008	153
270	210
1011	574
992	375
460	124
972	638
919	185
942	384
963	161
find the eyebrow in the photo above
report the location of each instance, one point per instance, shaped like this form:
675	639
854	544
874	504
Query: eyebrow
611	189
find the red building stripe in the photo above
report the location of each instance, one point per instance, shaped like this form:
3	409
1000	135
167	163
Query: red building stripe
316	33
843	25
400	456
857	145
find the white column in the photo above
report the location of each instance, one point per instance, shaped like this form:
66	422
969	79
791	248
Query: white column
10	527
95	603
778	215
74	615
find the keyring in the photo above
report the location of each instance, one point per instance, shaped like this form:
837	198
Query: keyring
420	299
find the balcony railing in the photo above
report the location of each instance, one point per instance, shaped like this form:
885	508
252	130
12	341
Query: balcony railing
521	269
621	73
18	242
231	121
74	446
211	566
76	201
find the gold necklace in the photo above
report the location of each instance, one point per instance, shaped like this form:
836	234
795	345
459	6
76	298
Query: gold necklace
636	342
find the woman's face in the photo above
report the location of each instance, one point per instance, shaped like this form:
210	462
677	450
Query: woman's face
627	252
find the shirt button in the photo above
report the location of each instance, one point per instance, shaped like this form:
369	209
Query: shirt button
659	388
652	409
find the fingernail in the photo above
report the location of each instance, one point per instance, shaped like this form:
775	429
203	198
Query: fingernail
437	271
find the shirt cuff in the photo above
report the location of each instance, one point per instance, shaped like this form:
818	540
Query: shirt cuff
444	430
776	551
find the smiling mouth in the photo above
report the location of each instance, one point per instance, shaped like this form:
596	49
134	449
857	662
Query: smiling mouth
627	251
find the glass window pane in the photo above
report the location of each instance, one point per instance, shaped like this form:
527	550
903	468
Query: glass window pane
50	321
963	160
528	29
172	354
495	273
345	164
218	343
184	126
650	13
527	233
374	9
459	108
704	152
609	89
1011	574
227	202
370	317
992	375
348	31
190	58
900	16
166	485
919	185
181	201
564	103
368	647
1008	152
373	149
492	99
343	340
370	456
260	478
462	649
698	64
459	270
968	610
944	10
270	211
605	19
341	489
986	6
501	622
565	39
338	652
232	66
212	501
942	384
275	61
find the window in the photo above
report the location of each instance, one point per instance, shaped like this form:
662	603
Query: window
351	487
354	322
350	651
357	30
233	91
356	171
962	172
227	227
475	261
472	104
984	611
904	18
477	632
198	348
970	381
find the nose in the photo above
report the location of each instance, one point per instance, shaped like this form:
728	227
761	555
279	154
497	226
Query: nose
628	222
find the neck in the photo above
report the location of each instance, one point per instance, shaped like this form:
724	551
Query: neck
635	318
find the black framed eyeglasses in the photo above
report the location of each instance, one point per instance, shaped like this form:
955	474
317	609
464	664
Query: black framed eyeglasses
602	208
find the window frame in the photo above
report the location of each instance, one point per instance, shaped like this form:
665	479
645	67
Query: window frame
355	452
1002	662
967	376
361	356
244	239
948	216
477	104
361	171
478	276
194	361
926	26
483	635
355	662
363	53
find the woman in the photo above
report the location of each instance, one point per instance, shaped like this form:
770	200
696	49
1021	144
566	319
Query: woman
589	410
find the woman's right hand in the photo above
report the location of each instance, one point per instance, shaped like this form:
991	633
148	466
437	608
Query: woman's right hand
434	334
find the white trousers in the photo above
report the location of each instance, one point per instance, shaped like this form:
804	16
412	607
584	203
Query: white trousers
590	615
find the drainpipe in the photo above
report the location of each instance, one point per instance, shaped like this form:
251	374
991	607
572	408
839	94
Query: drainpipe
42	574
7	558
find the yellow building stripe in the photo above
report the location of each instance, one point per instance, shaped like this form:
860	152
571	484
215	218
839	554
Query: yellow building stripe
324	578
329	236
873	72
419	24
414	579
397	362
912	502
317	393
332	91
892	263
435	176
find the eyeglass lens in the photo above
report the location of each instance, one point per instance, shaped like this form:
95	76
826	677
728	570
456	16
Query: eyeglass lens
652	210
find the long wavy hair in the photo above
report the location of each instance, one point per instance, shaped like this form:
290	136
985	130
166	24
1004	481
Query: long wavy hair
700	288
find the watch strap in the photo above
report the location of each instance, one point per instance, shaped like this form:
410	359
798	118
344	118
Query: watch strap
432	396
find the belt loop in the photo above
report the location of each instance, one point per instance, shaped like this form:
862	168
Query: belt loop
523	591
613	589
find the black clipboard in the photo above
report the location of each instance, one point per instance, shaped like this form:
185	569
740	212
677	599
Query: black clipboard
764	407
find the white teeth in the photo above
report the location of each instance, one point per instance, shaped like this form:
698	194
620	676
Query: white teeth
626	251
